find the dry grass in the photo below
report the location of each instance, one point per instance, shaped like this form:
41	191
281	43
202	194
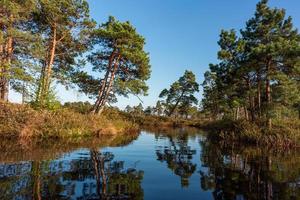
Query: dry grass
25	122
163	122
283	133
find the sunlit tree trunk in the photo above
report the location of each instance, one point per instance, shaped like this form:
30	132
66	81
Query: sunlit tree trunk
6	58
103	84
6	64
107	84
46	72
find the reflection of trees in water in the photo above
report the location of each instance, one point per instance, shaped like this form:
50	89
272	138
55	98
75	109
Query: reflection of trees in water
113	182
178	156
250	174
94	176
12	151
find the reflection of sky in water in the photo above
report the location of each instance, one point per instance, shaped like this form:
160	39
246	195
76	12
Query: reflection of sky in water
75	171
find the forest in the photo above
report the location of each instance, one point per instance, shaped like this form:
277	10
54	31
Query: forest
252	94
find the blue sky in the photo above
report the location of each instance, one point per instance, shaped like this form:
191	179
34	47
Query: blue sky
180	35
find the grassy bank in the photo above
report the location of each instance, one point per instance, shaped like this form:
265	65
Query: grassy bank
163	121
22	121
284	133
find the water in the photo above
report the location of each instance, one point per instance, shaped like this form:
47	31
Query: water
176	164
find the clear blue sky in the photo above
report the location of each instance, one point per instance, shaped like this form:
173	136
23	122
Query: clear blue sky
180	34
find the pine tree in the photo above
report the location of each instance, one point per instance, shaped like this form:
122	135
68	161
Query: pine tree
181	93
119	54
64	26
16	42
259	71
272	40
159	108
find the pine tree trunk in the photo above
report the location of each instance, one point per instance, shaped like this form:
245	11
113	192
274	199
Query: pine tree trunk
268	93
23	93
40	85
109	88
251	101
106	85
1	70
103	85
2	55
6	57
259	94
105	96
51	61
175	106
246	113
8	51
46	73
96	105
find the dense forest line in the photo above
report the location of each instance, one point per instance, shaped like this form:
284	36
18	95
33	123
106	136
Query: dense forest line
45	43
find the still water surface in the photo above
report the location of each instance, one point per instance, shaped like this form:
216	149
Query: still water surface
176	164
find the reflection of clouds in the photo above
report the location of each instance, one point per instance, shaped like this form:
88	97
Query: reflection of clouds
16	169
18	177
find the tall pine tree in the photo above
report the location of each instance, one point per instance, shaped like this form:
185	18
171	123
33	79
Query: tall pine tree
64	26
118	54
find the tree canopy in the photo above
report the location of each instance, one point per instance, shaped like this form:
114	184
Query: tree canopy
259	71
64	29
118	53
181	93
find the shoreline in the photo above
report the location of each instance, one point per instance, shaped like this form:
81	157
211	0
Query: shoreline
253	134
284	134
25	123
